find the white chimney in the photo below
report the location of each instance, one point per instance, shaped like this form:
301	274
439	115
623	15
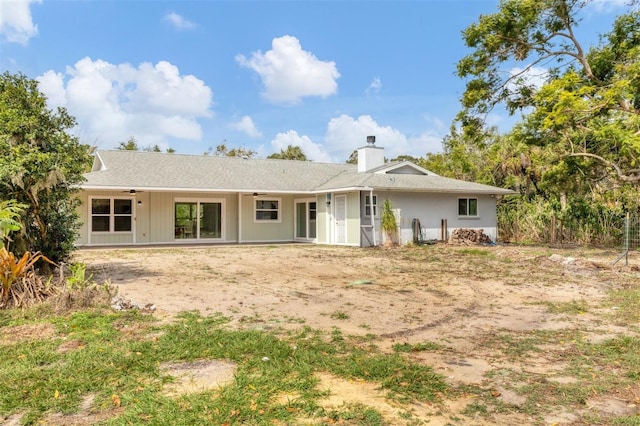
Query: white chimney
370	156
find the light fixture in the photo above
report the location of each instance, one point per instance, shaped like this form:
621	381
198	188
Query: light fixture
139	203
132	191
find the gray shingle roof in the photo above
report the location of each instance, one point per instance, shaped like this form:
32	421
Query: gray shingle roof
140	170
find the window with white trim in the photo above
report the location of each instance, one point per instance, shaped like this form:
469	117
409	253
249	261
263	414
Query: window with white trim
468	207
267	210
368	205
111	214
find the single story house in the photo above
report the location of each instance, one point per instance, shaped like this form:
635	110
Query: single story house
143	198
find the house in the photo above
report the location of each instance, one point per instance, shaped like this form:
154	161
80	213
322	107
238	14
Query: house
133	197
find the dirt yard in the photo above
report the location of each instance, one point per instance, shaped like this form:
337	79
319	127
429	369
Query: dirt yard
477	305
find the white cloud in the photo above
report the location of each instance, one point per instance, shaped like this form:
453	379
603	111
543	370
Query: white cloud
179	22
313	151
344	134
16	23
247	126
424	143
52	84
374	87
114	102
608	5
289	73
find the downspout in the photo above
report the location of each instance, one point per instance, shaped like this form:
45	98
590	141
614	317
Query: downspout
239	218
135	219
328	221
373	217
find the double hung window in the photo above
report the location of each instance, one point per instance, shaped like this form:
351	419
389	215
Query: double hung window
468	207
111	214
370	205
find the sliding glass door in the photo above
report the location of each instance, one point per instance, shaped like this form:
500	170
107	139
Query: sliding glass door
305	220
198	220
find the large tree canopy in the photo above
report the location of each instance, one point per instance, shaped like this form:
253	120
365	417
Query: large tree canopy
582	105
41	165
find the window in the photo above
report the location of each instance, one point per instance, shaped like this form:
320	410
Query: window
467	207
267	210
368	205
111	214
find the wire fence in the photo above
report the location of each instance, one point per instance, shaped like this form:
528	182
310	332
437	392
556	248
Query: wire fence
630	238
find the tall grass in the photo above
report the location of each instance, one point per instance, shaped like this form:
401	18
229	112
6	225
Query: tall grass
538	220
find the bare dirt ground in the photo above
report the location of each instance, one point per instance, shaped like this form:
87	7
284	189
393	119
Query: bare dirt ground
476	303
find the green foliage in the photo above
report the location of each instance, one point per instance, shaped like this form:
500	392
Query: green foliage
10	212
585	219
575	154
588	109
41	165
78	279
223	151
290	153
388	222
132	145
353	157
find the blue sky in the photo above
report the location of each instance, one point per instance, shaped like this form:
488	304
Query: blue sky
191	75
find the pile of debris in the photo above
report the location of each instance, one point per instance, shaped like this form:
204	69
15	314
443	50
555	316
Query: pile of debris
121	304
469	236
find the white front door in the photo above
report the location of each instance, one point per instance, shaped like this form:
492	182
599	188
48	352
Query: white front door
341	219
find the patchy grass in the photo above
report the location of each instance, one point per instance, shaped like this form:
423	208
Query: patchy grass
476	252
416	347
595	369
627	304
116	358
340	315
574	307
564	365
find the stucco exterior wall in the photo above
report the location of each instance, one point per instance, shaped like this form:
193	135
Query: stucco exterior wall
430	209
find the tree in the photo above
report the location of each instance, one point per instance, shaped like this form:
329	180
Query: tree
132	145
41	166
290	153
353	157
584	106
223	151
